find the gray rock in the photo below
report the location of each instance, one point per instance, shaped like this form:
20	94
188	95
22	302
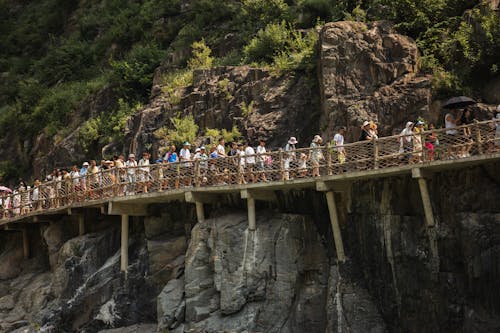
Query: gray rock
369	72
141	328
170	304
166	258
237	280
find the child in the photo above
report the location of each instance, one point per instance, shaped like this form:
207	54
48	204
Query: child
303	165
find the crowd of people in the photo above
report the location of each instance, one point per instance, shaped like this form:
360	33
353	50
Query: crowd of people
240	163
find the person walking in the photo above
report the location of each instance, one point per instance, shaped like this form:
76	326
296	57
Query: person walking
338	144
316	155
289	157
405	141
262	159
131	166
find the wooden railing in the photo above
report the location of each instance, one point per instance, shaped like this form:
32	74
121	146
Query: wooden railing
475	139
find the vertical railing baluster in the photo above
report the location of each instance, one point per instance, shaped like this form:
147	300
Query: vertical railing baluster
375	153
281	164
329	156
478	139
197	172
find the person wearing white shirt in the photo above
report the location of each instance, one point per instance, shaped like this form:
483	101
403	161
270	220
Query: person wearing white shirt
185	158
144	170
221	148
131	164
262	159
250	162
338	144
241	163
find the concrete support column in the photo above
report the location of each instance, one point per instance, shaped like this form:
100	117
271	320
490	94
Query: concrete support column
124	243
26	244
252	224
424	193
426	201
200	213
334	220
81	225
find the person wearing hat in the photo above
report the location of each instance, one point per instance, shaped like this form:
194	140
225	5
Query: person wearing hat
131	166
316	155
83	176
289	156
143	171
365	131
405	141
108	177
202	158
185	159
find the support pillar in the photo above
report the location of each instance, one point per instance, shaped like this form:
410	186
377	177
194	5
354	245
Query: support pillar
81	225
124	248
200	213
26	244
424	193
252	224
426	201
334	220
429	218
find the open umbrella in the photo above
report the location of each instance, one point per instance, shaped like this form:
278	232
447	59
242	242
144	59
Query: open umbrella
458	102
5	189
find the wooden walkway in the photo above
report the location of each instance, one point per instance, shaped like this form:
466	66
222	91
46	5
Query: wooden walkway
130	191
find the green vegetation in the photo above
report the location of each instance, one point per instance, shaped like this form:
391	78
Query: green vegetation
229	136
57	56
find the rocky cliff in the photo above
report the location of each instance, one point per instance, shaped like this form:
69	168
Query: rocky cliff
216	276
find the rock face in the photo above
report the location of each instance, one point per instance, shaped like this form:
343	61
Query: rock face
272	280
258	103
368	72
448	292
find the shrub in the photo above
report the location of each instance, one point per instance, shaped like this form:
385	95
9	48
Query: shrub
268	43
172	82
134	75
184	129
201	58
259	13
223	88
247	109
232	135
89	133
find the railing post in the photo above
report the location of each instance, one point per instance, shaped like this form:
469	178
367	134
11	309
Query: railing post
375	153
280	160
478	139
197	173
329	156
57	183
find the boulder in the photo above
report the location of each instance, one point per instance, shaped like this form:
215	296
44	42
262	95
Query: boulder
241	280
171	305
166	259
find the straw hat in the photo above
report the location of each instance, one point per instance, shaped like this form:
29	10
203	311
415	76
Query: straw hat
293	141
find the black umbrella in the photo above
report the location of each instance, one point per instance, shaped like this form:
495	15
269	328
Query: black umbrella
458	102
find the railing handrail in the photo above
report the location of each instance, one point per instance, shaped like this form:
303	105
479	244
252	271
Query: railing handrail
378	153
